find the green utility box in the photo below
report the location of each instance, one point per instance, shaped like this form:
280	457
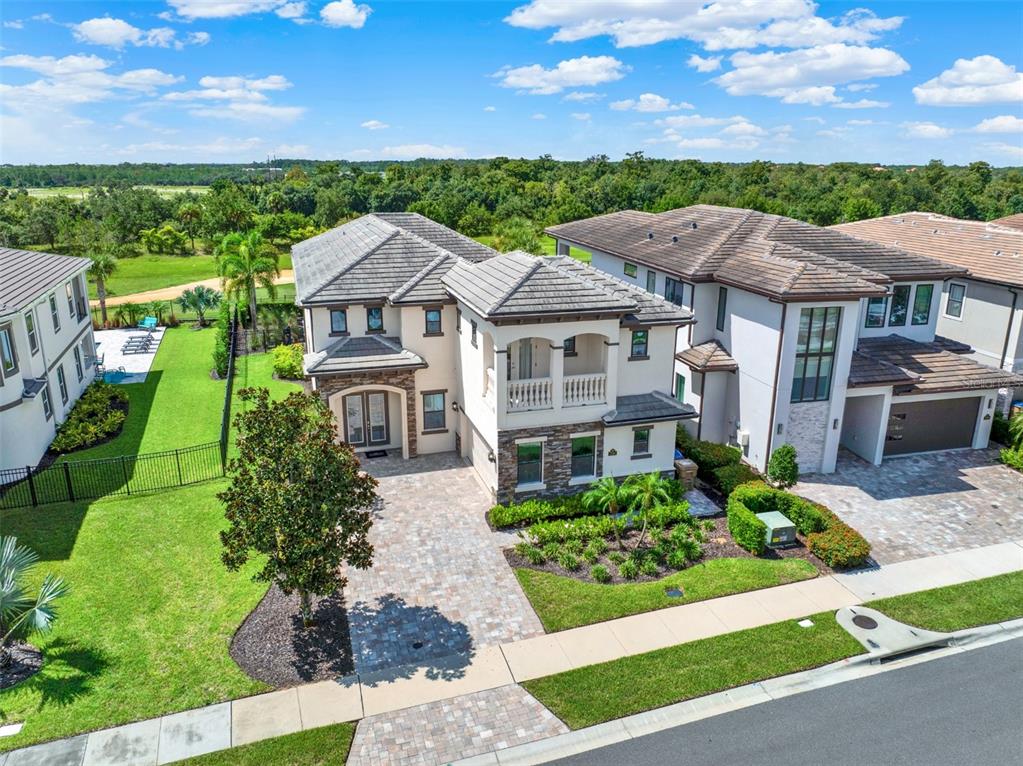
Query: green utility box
780	531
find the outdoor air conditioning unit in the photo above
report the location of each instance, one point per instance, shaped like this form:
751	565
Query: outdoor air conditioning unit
742	436
780	531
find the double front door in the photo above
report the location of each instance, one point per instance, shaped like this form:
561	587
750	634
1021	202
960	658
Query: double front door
366	419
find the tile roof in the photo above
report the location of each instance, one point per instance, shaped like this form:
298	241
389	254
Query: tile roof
647	408
708	357
992	252
924	367
518	284
25	274
377	255
760	252
355	354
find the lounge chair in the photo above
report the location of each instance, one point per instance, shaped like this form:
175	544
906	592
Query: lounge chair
148	324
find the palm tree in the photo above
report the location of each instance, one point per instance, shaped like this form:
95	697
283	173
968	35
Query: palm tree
190	216
609	496
1016	430
200	299
128	314
20	614
245	261
645	491
104	264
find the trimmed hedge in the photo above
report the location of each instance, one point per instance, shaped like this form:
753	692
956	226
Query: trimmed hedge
719	465
531	511
728	477
828	537
222	345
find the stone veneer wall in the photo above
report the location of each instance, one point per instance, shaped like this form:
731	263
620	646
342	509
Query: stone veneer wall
806	431
328	385
557	459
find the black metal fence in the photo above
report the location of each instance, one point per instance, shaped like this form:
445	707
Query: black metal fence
127	474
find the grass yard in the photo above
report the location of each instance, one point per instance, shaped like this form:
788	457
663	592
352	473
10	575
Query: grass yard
326	746
81	192
598	693
549	246
146	628
564	602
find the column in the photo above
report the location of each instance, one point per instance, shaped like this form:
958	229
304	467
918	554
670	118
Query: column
558	376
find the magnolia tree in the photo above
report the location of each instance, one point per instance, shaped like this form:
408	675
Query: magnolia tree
297	497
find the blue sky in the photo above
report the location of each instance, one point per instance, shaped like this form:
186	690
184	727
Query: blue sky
732	80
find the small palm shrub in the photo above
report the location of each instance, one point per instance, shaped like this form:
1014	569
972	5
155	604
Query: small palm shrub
20	613
599	573
783	469
98	414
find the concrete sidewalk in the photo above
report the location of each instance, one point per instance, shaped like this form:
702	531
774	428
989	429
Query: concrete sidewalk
229	724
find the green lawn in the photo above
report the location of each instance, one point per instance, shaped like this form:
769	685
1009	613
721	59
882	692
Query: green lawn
549	246
146	628
326	746
564	602
597	693
81	192
153	272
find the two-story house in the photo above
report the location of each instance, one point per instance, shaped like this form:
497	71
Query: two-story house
804	335
982	309
47	351
544	373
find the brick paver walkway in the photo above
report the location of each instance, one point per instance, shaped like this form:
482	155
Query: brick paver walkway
438	585
924	505
441	732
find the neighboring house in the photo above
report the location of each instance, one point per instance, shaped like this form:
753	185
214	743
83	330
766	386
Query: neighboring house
47	352
803	335
541	371
984	309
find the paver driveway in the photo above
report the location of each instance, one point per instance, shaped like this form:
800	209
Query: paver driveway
923	505
439	585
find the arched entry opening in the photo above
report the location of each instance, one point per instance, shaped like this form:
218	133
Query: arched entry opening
372	417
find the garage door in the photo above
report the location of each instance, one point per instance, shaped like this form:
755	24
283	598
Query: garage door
925	426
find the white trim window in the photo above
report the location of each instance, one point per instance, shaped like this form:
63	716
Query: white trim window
529	463
8	356
54	314
62	384
70	300
78	364
584	456
30	329
956	299
47	404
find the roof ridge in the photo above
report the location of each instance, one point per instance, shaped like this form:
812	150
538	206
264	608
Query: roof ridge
387	342
416	278
557	260
518	283
714	251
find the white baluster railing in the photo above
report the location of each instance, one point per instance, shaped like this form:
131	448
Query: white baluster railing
585	389
530	394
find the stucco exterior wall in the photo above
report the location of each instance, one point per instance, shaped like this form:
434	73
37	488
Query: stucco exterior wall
440	353
619	439
984	322
318	320
865	424
923	333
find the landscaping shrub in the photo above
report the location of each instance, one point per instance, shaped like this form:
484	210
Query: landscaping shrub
782	468
222	345
839	546
746	529
1000	429
585	528
551	551
728	477
531	511
628	569
1012	458
98	414
649	568
616	557
760	498
530	553
599	573
676	560
287	361
711	455
569	561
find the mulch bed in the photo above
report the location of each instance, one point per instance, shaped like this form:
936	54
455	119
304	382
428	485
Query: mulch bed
719	545
26	661
273	647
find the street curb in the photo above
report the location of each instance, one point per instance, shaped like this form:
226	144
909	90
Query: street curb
690	711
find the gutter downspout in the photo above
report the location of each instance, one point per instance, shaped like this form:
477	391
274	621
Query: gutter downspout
1008	328
777	374
703	394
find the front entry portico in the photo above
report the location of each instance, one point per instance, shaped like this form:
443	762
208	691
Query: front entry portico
372	417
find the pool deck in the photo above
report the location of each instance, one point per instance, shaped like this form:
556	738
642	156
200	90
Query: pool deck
135	367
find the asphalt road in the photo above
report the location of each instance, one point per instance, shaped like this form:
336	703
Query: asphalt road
963	709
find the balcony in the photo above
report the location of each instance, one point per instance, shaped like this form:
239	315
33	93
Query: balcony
538	393
581	390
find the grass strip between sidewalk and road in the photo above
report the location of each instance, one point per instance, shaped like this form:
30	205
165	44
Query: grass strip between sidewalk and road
565	602
325	746
598	693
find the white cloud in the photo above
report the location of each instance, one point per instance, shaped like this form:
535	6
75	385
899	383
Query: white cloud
701	143
490	109
54	67
295	10
863	103
698	121
925	130
1011	150
76	79
704	64
818	120
198	38
717	25
861	87
971	82
807	75
244	98
415	151
14	24
374	125
1005	123
582	71
290	150
250	112
743	129
270	82
582	95
649	102
539	116
215	9
117	33
219	146
345	13
581	116
859	122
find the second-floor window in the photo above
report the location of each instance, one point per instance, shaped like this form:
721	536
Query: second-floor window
722	308
78	364
30	328
674	291
680	387
922	304
433	324
338	322
815	354
375	319
630	269
70	300
47	404
900	306
956	296
7	355
651	281
62	383
570	346
640	344
875	311
53	313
